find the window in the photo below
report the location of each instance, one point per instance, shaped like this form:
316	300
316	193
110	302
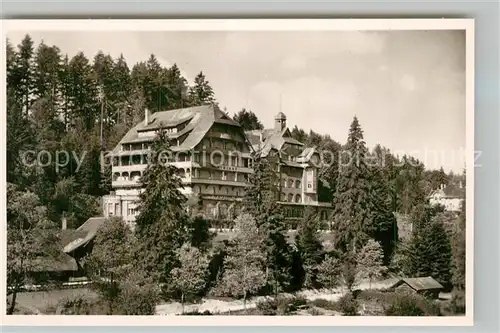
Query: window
309	186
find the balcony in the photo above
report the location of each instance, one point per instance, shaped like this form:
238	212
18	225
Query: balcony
221	197
217	182
232	168
125	183
129	168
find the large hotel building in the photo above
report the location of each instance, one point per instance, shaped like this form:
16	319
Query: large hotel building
214	157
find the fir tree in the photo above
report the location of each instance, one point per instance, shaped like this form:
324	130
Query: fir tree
201	92
329	272
430	252
261	202
24	68
309	247
248	120
352	222
162	225
370	261
459	251
384	224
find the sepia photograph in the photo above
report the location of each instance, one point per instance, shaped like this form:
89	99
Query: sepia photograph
238	169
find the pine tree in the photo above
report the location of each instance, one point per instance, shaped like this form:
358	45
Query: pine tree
459	251
162	225
370	261
329	272
176	89
384	227
261	202
83	95
24	66
352	222
309	247
122	91
430	252
47	61
201	92
248	120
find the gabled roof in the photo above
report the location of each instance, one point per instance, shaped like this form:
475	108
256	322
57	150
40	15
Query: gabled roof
419	284
199	120
269	139
60	262
85	233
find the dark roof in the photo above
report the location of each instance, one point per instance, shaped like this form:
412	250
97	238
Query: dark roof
280	116
199	120
61	262
420	284
268	139
84	234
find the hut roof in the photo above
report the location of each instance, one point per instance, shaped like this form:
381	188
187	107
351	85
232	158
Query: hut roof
420	283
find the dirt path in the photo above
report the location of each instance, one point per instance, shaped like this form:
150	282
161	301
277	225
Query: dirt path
218	306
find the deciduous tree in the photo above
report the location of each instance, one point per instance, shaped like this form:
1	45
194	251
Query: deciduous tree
191	275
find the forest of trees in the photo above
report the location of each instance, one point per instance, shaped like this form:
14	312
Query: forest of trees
84	105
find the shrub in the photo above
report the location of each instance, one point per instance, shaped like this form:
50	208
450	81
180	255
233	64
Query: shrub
74	306
197	313
324	304
314	312
412	305
281	305
403	305
297	302
268	307
457	303
348	305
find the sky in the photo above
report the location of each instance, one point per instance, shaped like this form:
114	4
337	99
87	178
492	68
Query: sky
407	88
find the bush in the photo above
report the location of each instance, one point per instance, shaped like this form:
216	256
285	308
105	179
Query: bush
138	300
281	305
348	305
297	302
268	307
314	312
324	304
197	313
74	306
457	303
412	305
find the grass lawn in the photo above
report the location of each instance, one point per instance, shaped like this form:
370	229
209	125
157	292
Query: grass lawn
46	301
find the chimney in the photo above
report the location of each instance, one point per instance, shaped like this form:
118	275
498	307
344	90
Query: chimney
146	117
64	223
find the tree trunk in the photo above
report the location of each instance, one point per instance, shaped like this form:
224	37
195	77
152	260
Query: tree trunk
245	301
13	304
182	302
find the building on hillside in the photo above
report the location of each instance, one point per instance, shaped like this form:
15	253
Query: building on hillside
449	196
214	157
210	150
425	286
297	167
